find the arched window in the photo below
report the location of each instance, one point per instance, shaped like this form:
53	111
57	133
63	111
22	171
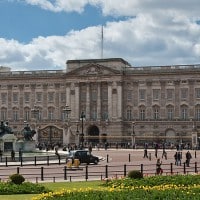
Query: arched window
26	114
156	112
184	112
142	113
170	112
15	114
197	112
3	114
51	113
129	113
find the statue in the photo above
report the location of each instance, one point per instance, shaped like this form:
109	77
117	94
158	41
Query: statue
28	133
5	129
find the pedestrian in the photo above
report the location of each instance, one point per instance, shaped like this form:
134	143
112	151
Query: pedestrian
156	150
164	154
179	157
1	154
176	158
159	170
13	155
145	153
188	157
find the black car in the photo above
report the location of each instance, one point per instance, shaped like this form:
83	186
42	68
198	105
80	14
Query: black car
84	156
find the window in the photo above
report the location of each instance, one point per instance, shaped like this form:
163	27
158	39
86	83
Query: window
170	112
155	113
51	97
94	113
184	112
27	115
50	113
15	97
39	96
129	114
184	93
26	97
94	95
4	98
170	94
129	95
63	97
156	94
142	113
197	112
83	96
104	113
142	94
105	94
15	115
3	114
197	91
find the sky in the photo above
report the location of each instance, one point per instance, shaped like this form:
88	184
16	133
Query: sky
44	34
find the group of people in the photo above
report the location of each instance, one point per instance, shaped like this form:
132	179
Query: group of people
177	157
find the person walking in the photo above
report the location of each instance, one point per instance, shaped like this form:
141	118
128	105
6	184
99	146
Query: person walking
188	157
145	153
164	154
159	170
179	157
1	155
13	155
176	158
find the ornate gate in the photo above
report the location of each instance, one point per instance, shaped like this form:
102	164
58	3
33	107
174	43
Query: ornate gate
50	135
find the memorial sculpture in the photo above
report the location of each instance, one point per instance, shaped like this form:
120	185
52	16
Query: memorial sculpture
28	133
5	129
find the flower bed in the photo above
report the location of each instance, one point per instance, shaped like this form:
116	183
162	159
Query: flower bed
158	187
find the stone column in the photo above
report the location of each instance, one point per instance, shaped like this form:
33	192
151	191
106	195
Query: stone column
110	114
99	101
119	100
76	110
87	114
177	99
68	94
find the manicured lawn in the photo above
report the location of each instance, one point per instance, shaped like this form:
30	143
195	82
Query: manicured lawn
54	187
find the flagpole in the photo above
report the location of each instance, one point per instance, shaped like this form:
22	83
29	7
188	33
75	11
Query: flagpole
102	42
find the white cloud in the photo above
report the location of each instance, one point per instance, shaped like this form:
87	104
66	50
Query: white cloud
155	33
60	5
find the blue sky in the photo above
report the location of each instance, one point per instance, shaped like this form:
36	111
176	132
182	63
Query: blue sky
44	34
22	22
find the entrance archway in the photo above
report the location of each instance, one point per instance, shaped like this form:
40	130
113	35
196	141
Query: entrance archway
170	136
93	135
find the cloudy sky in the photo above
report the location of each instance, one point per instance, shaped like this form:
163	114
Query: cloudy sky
44	34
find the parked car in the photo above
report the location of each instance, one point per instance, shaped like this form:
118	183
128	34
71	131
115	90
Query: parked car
84	156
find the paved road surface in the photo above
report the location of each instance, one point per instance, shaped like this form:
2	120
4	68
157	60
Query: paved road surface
114	162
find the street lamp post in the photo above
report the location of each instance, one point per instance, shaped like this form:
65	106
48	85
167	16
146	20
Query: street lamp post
78	135
133	134
81	138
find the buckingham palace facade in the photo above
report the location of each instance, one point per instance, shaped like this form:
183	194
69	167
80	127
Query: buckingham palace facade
104	100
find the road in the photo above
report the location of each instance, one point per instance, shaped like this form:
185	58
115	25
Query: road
114	163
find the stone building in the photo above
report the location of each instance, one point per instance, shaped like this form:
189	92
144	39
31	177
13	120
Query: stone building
104	100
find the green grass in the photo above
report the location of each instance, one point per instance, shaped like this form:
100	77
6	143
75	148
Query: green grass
54	187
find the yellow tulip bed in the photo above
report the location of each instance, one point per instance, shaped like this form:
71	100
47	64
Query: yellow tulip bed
157	187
